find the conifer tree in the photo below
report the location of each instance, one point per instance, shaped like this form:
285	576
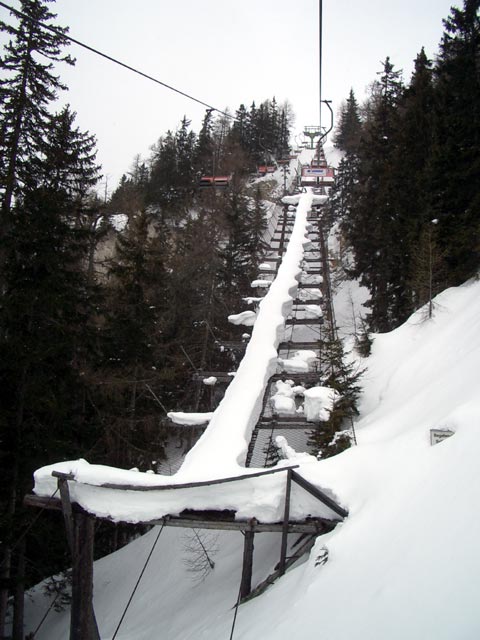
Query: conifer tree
204	148
334	435
455	199
27	88
372	229
348	130
134	352
49	340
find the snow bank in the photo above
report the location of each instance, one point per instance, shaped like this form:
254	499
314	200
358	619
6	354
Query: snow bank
300	362
189	419
405	564
246	318
319	402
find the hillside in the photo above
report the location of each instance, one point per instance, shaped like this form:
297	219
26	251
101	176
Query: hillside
405	562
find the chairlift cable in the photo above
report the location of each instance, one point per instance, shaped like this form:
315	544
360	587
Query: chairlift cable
115	60
137	583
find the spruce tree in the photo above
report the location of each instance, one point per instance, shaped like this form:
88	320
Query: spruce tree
335	435
455	199
134	354
372	229
348	130
26	90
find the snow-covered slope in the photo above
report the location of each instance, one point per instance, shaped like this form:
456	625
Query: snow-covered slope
405	564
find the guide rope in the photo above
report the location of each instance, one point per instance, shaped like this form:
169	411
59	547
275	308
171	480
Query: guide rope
235	614
137	583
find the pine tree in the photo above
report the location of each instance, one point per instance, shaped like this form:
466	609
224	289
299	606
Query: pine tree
27	89
204	148
414	151
134	354
455	199
334	435
349	128
66	159
173	177
48	342
372	228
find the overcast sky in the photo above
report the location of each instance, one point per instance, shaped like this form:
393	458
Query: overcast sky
226	52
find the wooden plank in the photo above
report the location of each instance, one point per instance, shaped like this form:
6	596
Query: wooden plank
83	625
317	493
273	425
309	285
313	525
247	565
186	485
304	548
67	511
290	345
286	518
309	322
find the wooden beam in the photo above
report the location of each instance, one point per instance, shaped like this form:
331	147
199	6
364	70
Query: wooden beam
191	485
291	345
304	548
317	493
83	625
67	512
312	525
286	518
298	424
247	565
304	321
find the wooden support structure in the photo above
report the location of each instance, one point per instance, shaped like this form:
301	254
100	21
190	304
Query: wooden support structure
303	548
286	518
80	528
309	322
247	565
83	625
317	493
290	345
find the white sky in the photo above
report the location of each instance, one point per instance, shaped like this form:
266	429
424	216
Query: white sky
226	53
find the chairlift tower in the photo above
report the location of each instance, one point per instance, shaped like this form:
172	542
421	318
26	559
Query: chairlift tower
312	133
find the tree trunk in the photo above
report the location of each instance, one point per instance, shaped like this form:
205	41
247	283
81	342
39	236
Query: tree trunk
19	595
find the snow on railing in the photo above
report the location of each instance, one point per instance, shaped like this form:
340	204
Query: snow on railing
222	447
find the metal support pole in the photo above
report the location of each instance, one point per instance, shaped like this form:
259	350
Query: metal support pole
320	10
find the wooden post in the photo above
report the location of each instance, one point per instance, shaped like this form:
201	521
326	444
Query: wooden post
246	583
286	518
63	489
83	625
80	529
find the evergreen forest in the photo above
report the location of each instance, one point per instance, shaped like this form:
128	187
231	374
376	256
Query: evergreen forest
110	306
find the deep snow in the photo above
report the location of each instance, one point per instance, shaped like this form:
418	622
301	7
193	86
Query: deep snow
405	564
